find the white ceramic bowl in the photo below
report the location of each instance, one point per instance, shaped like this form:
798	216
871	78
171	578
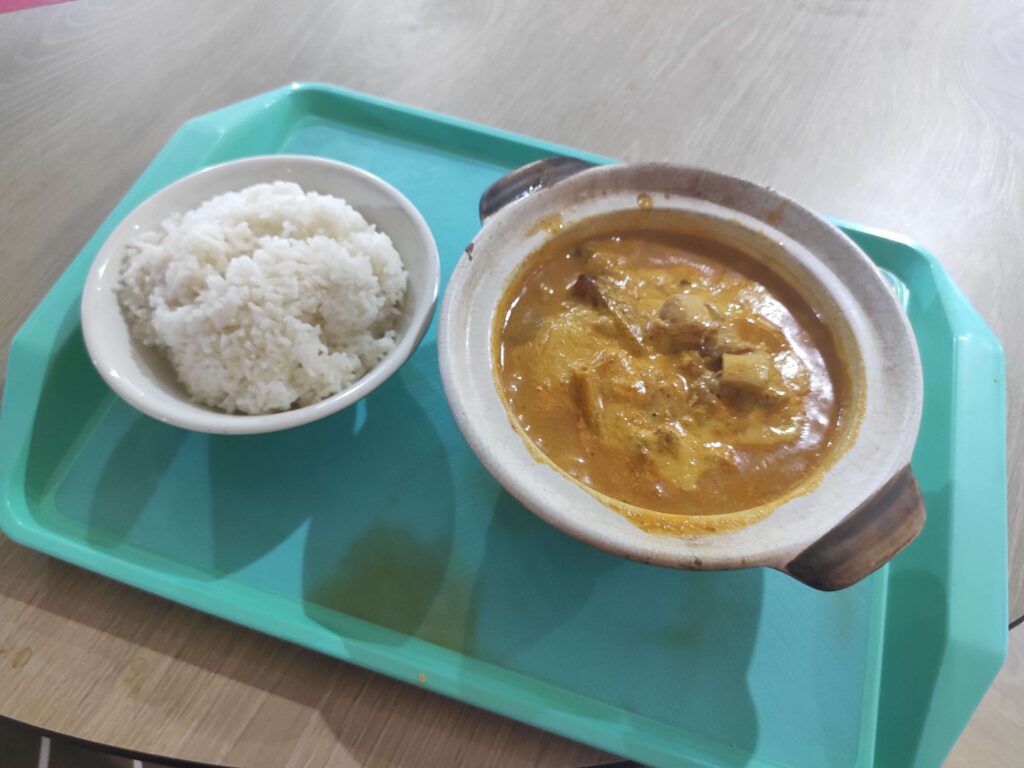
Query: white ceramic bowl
867	505
143	378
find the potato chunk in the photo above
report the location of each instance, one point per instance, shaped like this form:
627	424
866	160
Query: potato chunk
748	372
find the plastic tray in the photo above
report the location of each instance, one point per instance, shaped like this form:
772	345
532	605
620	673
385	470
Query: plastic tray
375	536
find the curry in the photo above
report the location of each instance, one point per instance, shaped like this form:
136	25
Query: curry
668	370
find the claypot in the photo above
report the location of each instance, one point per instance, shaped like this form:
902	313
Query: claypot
865	507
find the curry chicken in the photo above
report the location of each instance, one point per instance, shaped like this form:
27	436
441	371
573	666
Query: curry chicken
668	371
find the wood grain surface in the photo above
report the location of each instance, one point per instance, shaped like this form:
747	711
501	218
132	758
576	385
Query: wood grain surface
904	115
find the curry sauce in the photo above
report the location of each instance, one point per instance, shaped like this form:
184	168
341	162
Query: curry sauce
668	370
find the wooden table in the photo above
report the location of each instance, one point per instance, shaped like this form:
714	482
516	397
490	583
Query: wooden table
907	116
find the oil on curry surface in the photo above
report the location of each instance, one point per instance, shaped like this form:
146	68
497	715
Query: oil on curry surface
666	370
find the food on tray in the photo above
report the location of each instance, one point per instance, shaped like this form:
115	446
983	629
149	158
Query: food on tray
266	298
668	371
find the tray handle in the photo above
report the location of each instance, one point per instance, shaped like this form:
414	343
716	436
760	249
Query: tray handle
526	179
866	539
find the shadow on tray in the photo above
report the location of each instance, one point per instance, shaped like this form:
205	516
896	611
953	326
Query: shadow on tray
379	548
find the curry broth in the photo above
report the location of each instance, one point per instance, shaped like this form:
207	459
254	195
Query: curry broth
667	370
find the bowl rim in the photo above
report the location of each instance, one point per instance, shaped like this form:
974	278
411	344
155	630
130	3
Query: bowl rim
549	494
196	417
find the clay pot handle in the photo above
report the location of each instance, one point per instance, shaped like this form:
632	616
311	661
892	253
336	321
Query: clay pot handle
866	539
532	177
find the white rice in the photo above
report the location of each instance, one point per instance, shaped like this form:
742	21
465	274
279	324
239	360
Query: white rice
265	299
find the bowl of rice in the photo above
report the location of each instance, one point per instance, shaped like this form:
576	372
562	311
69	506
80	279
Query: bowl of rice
260	294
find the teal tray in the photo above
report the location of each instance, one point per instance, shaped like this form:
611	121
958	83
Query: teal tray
376	537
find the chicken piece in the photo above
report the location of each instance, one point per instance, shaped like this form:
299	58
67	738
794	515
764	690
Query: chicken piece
748	372
585	287
725	340
685	313
587	391
601	296
704	388
683	321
